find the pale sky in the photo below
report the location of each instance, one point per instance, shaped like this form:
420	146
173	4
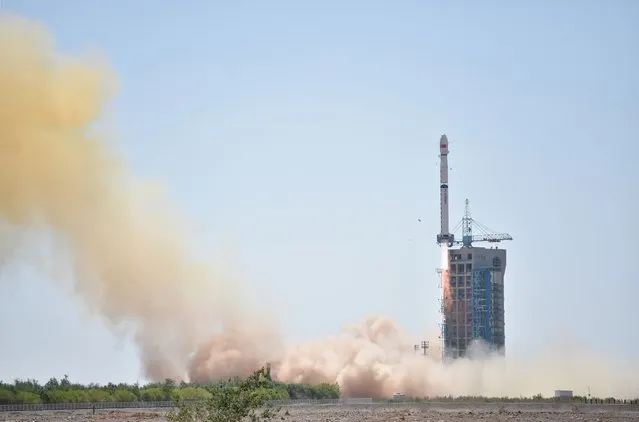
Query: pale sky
306	135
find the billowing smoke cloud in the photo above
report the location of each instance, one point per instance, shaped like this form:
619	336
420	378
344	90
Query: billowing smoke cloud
375	358
131	260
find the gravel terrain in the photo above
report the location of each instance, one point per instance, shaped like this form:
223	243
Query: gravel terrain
355	414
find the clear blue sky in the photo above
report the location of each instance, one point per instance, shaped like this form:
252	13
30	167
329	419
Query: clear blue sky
306	134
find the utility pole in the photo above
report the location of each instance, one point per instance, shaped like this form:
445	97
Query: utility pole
424	346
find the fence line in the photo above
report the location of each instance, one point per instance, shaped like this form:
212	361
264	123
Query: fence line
143	405
330	402
81	406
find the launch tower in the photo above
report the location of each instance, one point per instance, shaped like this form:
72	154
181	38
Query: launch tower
472	279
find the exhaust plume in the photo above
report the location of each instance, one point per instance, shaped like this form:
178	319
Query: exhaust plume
130	261
130	255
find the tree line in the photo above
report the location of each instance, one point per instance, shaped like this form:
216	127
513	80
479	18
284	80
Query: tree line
64	391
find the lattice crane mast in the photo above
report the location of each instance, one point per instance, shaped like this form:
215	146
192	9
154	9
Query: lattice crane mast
468	223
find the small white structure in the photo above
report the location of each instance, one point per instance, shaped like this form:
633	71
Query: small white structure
563	394
399	397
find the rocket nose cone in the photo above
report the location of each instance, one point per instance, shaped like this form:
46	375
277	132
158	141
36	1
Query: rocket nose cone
443	144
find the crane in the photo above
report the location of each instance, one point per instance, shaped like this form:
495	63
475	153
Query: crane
487	235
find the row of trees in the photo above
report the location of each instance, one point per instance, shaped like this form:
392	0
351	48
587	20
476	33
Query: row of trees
65	391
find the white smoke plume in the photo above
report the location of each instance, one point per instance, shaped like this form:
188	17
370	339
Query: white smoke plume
132	262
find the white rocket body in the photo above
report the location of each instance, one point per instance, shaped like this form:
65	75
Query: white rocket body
444	235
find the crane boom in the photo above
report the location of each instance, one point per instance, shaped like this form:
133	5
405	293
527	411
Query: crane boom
493	237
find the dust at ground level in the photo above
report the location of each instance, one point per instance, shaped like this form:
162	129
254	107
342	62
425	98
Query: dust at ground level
335	413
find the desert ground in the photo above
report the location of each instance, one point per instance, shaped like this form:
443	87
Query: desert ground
378	413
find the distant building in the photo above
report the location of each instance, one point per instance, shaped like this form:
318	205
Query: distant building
399	397
563	394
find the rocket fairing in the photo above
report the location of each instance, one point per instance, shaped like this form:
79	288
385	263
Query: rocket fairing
444	236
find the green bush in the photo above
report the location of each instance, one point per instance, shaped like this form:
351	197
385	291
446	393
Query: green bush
307	391
152	394
96	395
124	395
190	393
26	397
230	402
6	396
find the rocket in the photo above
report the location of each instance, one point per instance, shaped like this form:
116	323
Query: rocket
444	236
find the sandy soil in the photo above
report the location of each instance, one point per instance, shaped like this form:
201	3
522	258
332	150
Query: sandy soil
346	413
